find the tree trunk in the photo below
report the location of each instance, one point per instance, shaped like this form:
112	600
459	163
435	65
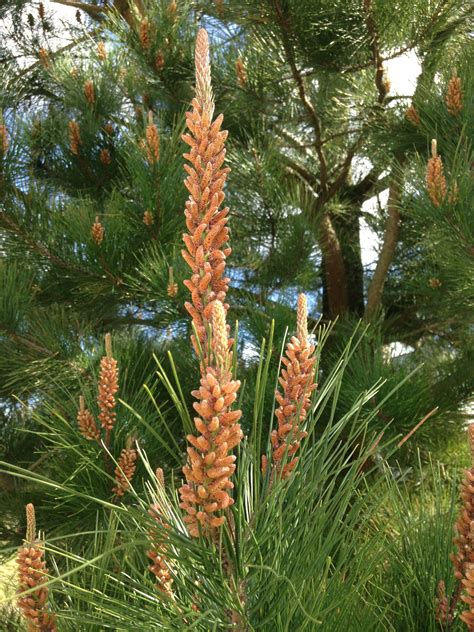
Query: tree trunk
335	292
389	244
348	231
341	268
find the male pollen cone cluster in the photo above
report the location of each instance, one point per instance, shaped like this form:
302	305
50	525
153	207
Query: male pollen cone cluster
152	143
206	242
101	51
32	573
241	72
86	422
172	289
160	567
44	58
97	231
105	157
144	33
435	180
454	96
463	559
75	139
412	115
297	381
108	386
89	91
148	218
442	613
125	469
210	464
4	141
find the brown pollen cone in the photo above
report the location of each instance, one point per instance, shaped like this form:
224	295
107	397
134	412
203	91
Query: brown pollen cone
152	144
297	382
435	180
160	567
86	422
74	137
101	51
147	218
125	469
463	559
454	96
89	92
97	231
468	597
412	115
207	236
108	386
434	283
105	157
172	289
241	72
32	574
4	141
210	463
172	9
159	61
44	58
442	613
144	34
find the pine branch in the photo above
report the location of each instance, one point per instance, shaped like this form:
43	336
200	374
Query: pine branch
343	169
57	53
12	227
360	191
93	10
26	342
375	46
389	243
313	117
302	172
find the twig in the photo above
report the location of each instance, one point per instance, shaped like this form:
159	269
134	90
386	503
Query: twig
313	117
413	430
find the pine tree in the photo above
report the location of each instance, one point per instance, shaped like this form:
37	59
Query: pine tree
92	196
300	539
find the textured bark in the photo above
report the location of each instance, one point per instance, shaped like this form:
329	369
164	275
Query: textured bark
389	244
334	269
348	232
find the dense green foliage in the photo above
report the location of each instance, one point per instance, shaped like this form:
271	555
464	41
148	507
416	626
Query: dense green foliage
319	146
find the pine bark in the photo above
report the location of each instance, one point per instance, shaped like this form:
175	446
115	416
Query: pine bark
389	244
